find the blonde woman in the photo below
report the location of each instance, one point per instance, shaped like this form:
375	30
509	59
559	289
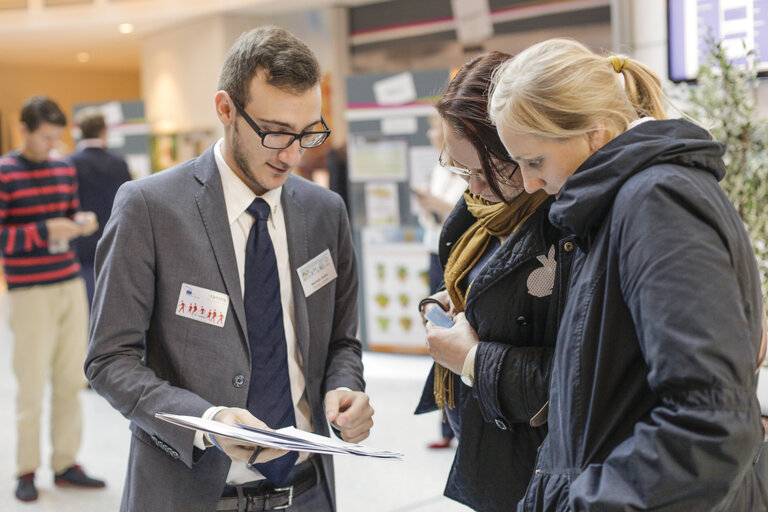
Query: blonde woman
652	398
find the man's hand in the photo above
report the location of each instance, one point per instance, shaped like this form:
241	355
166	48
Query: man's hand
88	223
450	347
62	228
350	413
237	450
444	299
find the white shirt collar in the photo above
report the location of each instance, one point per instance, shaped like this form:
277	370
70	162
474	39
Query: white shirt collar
90	143
237	196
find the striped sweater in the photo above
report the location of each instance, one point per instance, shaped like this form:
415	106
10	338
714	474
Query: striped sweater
30	193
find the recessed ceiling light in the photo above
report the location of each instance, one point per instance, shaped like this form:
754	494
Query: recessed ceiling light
83	57
125	28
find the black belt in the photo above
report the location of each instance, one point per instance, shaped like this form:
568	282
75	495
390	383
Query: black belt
263	495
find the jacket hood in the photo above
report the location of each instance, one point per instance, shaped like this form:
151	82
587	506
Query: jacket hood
587	195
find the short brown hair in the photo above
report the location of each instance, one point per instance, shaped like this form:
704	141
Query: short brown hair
41	109
288	62
91	122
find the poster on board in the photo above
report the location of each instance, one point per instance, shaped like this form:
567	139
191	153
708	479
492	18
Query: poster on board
373	159
396	274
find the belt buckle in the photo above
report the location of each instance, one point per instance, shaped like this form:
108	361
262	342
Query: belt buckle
288	489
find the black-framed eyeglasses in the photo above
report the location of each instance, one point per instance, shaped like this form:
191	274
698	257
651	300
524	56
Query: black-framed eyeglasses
448	164
281	140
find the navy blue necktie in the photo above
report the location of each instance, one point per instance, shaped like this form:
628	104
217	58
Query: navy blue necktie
269	394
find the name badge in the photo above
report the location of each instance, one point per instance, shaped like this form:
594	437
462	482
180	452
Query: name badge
317	272
203	305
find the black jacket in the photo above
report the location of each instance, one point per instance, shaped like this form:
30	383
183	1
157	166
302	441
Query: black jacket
517	327
99	174
652	402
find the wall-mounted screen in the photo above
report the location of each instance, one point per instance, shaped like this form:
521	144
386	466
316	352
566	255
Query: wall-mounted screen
735	22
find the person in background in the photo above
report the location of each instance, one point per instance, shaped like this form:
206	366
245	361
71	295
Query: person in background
503	265
436	202
652	401
201	308
47	306
99	174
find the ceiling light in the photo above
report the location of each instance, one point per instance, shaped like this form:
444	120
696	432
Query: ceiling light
125	28
83	57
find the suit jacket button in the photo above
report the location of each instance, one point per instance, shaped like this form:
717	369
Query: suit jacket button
238	381
522	321
501	424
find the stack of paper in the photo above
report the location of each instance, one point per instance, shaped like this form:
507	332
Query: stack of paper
288	438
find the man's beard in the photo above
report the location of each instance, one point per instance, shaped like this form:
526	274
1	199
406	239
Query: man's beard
239	157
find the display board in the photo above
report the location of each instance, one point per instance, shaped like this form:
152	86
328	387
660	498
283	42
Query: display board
389	153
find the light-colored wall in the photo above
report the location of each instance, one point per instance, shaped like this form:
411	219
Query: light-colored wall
66	86
179	71
180	67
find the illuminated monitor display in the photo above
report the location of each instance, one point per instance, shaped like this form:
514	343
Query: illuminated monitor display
735	22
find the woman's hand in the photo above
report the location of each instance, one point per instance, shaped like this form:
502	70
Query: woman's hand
443	298
449	347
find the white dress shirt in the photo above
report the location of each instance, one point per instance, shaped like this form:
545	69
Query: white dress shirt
238	197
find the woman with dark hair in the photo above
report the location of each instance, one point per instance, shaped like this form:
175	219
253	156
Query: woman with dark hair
502	265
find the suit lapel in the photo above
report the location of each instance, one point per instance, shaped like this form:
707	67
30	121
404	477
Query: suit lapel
298	251
213	211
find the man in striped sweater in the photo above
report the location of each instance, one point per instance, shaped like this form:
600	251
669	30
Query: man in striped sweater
48	312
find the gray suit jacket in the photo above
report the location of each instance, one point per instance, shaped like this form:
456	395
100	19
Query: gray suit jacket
171	228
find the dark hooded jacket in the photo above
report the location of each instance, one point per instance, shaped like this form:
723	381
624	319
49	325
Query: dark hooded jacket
652	400
514	305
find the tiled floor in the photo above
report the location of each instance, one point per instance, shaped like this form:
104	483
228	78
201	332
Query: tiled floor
394	384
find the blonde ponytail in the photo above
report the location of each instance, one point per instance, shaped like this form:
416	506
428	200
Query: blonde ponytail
561	89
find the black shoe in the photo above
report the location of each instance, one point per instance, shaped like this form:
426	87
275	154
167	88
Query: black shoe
26	490
76	477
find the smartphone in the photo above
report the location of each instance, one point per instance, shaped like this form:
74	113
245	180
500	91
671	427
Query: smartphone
439	317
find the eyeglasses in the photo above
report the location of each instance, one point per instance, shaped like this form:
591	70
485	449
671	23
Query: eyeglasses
448	164
281	140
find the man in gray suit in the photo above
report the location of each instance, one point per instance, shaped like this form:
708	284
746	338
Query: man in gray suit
175	325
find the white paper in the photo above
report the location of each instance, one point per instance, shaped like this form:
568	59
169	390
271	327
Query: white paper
382	204
399	125
395	90
422	161
473	20
115	139
288	438
139	165
377	159
113	113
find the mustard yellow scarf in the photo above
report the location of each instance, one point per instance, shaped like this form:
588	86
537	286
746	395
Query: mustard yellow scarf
493	219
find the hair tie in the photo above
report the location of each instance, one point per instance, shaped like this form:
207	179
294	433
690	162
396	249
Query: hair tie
618	62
